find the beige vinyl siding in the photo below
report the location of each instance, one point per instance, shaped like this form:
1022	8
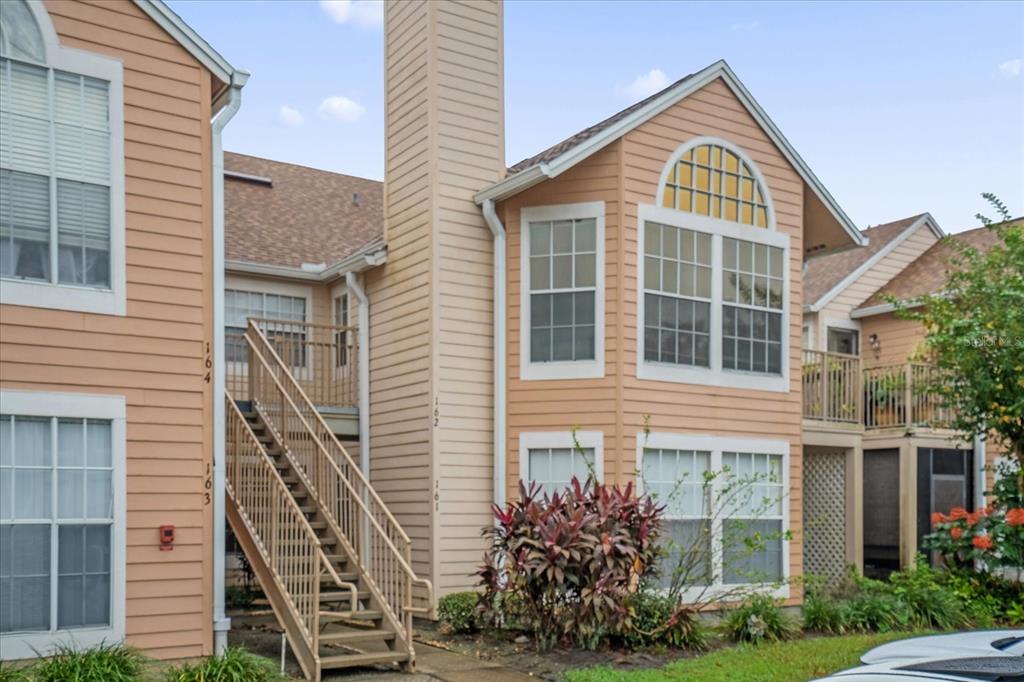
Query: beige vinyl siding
154	355
400	292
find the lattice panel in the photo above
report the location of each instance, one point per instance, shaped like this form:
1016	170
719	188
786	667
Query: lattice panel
825	512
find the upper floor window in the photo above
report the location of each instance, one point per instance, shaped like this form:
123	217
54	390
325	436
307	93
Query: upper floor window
61	177
562	291
712	274
713	180
279	312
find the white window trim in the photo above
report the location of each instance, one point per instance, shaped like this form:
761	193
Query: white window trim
262	286
80	406
714	375
535	440
112	301
844	324
578	369
716	445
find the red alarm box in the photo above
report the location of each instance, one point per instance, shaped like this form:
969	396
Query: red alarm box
166	538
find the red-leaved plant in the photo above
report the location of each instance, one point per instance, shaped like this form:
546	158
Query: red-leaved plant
562	565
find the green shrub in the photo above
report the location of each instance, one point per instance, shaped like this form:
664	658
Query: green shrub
234	665
931	604
759	620
458	611
105	663
822	614
874	610
238	597
656	619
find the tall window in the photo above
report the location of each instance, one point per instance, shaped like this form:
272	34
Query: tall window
341	339
713	273
57	173
562	291
724	506
56	520
288	339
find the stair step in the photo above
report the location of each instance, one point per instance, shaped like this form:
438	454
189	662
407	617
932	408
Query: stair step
350	636
343	595
365	614
349	660
345	578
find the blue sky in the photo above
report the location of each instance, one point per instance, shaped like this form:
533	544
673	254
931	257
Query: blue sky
898	107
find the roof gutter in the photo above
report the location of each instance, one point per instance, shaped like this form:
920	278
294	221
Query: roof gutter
881	309
500	378
372	255
221	623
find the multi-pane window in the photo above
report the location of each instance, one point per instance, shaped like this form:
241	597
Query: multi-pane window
843	341
676	479
752	529
285	328
752	294
554	468
56	520
562	290
55	176
711	180
341	336
677	295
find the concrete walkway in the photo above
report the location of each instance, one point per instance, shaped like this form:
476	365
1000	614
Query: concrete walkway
434	664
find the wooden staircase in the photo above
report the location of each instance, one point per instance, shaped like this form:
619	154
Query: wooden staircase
330	558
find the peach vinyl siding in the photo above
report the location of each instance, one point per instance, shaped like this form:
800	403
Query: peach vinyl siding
431	304
154	356
624	175
898	338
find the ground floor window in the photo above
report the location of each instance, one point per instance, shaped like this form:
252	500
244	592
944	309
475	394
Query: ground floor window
552	460
61	504
725	510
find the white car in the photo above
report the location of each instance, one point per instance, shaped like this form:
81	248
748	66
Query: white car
958	644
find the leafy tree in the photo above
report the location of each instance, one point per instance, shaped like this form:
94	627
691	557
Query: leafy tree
974	331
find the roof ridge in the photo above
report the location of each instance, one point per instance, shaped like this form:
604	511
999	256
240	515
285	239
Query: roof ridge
303	167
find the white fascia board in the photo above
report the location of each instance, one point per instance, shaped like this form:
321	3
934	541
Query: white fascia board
720	69
372	256
880	309
188	38
868	264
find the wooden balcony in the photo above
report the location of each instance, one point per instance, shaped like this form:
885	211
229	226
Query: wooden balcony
905	395
832	387
322	358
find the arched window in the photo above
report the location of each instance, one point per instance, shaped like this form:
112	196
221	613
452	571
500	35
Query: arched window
61	168
718	181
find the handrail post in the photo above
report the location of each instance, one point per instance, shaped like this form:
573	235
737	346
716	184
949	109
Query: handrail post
858	386
824	385
908	393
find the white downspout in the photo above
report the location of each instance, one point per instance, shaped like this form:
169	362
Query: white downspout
221	623
363	358
498	231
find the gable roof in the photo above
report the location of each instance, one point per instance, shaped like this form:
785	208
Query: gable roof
561	157
928	273
190	40
286	215
828	274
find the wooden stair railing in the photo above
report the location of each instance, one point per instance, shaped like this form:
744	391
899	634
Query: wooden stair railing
369	533
283	548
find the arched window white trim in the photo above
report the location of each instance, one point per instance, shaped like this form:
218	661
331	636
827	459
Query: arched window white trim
713	301
696	142
49	91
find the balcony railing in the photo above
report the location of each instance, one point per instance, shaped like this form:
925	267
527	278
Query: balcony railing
905	395
832	387
322	358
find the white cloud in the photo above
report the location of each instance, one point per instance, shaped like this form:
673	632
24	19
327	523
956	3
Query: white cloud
1010	68
290	116
365	13
340	108
645	85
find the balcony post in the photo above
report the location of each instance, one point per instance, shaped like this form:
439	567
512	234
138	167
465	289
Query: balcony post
908	394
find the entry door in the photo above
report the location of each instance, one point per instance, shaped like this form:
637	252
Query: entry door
945	479
881	512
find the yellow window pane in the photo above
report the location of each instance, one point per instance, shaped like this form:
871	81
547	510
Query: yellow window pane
716	157
688	156
704	154
732	186
761	216
703	178
671	179
716	182
716	207
702	204
748	189
685	200
744	171
669	198
732	162
731	210
685	175
757	195
746	214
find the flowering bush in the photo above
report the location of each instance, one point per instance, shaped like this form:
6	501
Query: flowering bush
572	558
992	537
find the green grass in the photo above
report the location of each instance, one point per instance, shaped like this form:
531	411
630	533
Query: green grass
794	661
